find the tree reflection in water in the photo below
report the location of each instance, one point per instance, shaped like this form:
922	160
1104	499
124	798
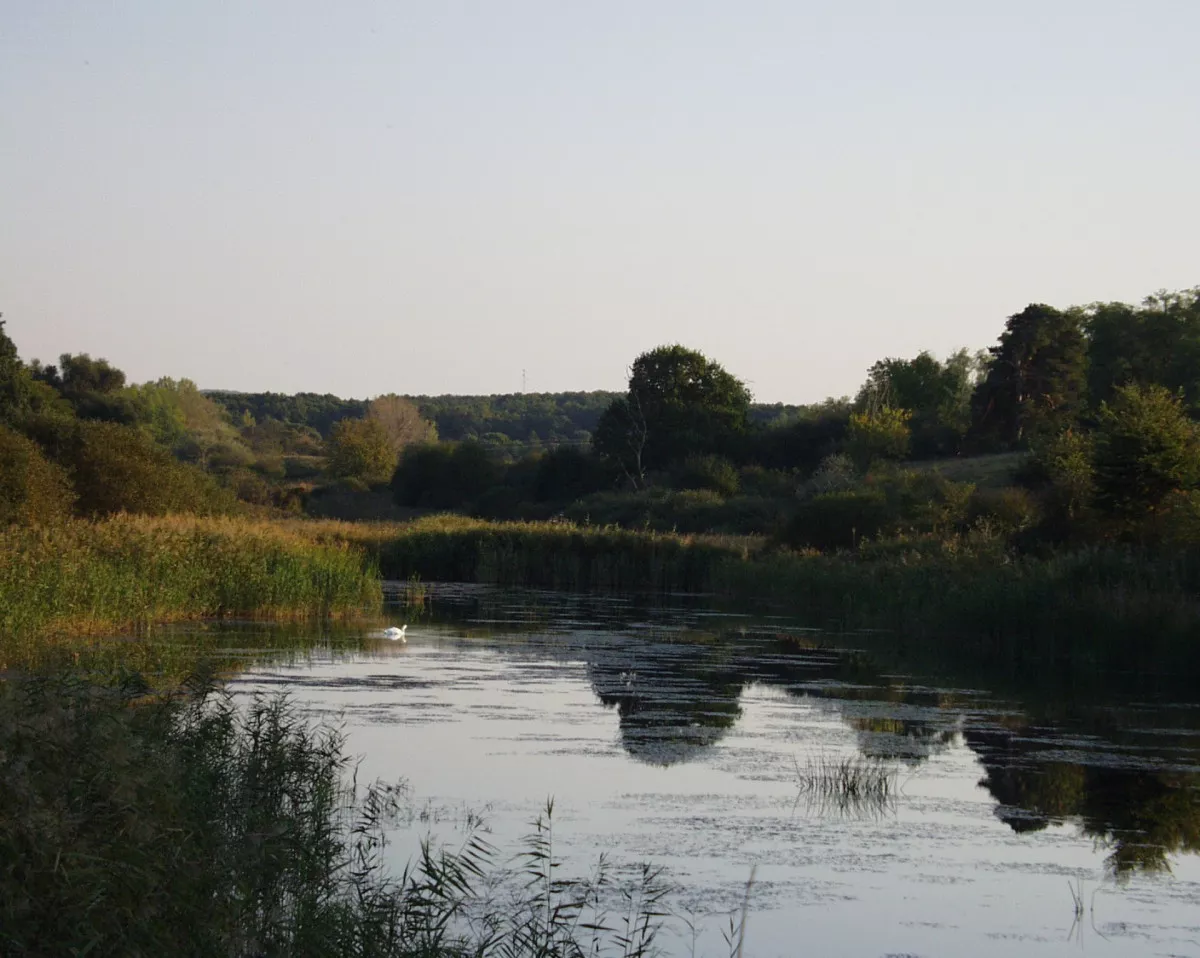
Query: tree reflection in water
677	692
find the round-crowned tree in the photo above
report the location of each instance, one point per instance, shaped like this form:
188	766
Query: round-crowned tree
679	404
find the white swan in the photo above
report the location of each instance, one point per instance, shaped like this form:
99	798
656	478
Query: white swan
396	635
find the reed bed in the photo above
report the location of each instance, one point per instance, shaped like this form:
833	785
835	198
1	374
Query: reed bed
75	579
1115	606
553	555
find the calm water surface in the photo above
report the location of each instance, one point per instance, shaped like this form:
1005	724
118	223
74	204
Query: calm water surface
681	734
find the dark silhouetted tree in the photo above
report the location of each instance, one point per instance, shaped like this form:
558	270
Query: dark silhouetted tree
679	404
1036	379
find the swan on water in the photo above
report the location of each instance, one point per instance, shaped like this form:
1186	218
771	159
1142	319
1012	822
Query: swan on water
396	635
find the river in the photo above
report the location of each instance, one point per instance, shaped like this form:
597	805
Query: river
1004	809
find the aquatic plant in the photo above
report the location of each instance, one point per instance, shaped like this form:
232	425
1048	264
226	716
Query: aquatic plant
853	785
193	825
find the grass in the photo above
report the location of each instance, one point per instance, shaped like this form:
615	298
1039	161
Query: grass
992	471
63	583
188	825
1113	606
850	786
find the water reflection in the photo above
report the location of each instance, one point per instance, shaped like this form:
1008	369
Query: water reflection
677	690
1123	770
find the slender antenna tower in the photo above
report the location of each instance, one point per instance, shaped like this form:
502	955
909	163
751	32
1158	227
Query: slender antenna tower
522	380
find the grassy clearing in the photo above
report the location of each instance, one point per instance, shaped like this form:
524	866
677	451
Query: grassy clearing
992	471
190	826
62	583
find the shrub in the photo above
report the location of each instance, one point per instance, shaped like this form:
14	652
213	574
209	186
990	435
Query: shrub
884	434
32	490
567	473
835	473
361	449
444	475
119	469
706	472
1146	448
838	520
1006	510
771	483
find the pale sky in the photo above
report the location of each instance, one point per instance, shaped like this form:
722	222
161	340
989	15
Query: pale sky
428	198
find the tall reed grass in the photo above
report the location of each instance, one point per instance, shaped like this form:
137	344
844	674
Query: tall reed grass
190	825
88	577
1118	606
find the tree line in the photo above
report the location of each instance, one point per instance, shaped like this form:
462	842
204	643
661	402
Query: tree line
1096	405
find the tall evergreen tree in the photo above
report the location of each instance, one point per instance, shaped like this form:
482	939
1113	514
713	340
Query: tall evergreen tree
1036	382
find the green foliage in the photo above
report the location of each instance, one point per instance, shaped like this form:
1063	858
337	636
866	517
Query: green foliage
119	469
33	491
1158	343
444	475
315	411
679	404
184	420
838	520
937	394
706	472
1006	511
94	388
555	418
568	473
78	577
881	434
1146	448
361	449
1036	381
1067	463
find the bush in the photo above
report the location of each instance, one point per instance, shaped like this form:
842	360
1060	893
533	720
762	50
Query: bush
361	449
770	483
119	469
444	475
1146	449
838	520
881	435
33	491
706	472
1008	510
835	473
567	473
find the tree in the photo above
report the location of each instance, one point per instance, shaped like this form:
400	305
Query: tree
361	449
884	434
1158	342
679	404
1036	378
401	420
444	475
16	384
937	394
1146	449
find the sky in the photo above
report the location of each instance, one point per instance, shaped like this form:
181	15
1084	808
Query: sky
465	197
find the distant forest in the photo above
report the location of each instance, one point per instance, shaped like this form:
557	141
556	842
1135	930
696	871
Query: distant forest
523	421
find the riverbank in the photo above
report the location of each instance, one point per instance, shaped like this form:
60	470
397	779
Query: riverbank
1113	606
